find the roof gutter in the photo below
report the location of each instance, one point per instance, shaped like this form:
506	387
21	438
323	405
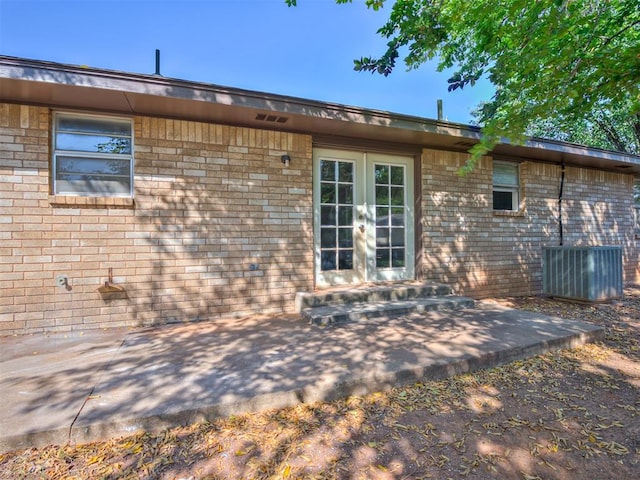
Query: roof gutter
164	89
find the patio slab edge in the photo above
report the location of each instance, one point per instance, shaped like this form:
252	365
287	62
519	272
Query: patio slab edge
375	382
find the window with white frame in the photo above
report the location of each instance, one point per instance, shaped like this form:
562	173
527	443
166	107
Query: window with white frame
92	155
506	186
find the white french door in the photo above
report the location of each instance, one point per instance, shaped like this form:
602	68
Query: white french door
363	217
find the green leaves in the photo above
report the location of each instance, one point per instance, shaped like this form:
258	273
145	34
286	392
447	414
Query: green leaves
383	66
373	4
546	59
458	81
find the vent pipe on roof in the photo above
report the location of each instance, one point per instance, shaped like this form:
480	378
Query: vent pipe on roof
157	62
440	109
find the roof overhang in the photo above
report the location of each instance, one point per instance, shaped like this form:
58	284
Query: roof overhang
74	87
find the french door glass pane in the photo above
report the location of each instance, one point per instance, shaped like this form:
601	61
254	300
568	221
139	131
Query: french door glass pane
397	175
390	211
382	216
397	217
397	258
328	193
382	195
345	172
397	237
328	214
382	174
345	237
328	237
382	258
345	215
382	237
336	214
345	194
328	259
328	170
345	259
397	196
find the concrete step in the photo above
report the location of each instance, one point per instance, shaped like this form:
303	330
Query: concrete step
370	294
329	314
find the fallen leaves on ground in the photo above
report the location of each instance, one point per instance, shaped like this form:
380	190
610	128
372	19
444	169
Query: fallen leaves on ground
563	415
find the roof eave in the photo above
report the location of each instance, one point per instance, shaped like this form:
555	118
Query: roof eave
78	87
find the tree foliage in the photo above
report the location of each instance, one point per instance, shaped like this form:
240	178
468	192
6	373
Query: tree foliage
545	58
612	129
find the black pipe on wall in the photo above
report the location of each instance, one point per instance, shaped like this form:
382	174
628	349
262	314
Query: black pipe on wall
560	205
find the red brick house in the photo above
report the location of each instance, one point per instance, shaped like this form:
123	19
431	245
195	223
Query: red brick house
195	201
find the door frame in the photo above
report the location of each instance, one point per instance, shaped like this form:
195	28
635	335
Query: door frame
364	212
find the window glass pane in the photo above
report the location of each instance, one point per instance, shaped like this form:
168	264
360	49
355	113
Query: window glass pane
345	216
328	260
328	237
397	196
382	216
327	170
96	176
382	237
382	174
345	260
93	143
108	174
502	200
103	126
327	215
397	258
345	173
345	193
382	195
382	258
93	184
345	237
505	174
93	165
328	193
397	237
397	175
397	217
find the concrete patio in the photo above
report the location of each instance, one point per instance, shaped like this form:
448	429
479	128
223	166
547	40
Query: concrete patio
85	386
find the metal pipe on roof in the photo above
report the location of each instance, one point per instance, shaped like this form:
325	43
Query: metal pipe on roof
157	61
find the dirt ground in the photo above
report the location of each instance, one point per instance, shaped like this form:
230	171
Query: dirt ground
574	414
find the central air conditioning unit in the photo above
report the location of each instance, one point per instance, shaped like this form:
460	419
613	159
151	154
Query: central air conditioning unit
592	274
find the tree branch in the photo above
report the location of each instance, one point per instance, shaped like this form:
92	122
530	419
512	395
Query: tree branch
620	32
611	134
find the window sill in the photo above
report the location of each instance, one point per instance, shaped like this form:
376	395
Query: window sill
508	213
90	202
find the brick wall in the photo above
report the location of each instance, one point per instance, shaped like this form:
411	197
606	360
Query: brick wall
483	253
219	227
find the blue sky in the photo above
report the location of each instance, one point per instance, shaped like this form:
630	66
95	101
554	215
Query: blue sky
263	45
